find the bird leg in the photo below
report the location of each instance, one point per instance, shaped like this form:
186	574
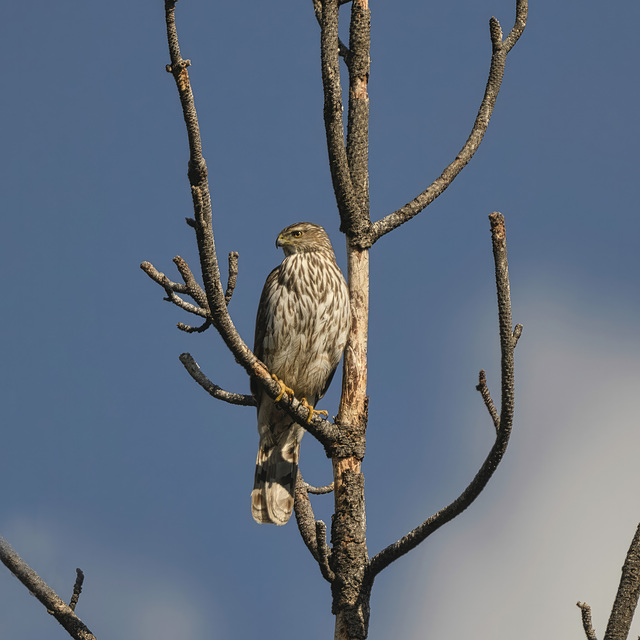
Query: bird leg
283	388
312	411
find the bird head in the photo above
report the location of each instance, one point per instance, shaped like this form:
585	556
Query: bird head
303	237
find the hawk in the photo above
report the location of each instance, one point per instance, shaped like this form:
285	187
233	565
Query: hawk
301	331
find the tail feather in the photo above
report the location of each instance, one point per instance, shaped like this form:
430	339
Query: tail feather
275	480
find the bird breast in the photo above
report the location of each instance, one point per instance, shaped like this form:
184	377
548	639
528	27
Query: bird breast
308	320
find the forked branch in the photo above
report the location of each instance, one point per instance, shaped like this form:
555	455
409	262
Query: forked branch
193	289
507	346
62	612
626	600
486	396
172	289
312	531
77	590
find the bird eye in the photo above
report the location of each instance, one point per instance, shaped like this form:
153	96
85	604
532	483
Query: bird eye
296	234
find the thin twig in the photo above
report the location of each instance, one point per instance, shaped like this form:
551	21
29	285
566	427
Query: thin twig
517	332
159	277
324	431
305	517
185	306
385	557
194	289
171	288
586	621
233	276
77	589
213	389
44	593
320	490
486	396
189	329
324	551
496	72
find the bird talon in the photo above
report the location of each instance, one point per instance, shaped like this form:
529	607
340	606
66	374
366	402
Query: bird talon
312	411
283	388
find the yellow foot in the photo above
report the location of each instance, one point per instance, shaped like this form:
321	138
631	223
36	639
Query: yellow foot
312	411
283	388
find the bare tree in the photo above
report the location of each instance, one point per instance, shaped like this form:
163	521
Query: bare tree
345	563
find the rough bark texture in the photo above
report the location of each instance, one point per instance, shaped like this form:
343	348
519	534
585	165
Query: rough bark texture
626	600
54	604
350	176
348	532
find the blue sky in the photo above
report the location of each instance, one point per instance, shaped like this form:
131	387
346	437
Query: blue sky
113	460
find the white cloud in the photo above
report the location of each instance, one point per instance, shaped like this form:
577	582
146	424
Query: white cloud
556	522
165	613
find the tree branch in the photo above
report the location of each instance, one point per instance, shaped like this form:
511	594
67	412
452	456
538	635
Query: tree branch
586	621
486	396
233	276
214	390
334	126
171	287
507	344
496	72
320	490
357	225
44	593
200	193
343	50
349	172
327	433
199	329
193	288
313	533
305	517
77	589
517	332
323	551
626	600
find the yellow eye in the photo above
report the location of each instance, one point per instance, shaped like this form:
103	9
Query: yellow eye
296	234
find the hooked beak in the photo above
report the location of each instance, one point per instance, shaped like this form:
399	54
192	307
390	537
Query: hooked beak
279	242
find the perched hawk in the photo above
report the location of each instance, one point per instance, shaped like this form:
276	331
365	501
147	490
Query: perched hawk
301	331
